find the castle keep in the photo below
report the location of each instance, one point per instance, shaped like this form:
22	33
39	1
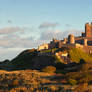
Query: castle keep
84	41
88	30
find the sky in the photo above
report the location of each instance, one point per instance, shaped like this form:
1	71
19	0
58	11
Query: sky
25	24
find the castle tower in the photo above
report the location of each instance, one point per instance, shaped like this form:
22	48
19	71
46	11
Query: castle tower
65	40
85	42
60	44
91	29
71	39
88	30
55	40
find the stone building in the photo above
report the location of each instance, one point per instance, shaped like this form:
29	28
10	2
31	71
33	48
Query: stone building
43	46
54	43
88	30
84	41
71	39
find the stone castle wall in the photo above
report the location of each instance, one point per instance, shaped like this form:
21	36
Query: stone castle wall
43	46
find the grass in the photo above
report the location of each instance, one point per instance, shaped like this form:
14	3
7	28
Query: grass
28	81
47	51
77	55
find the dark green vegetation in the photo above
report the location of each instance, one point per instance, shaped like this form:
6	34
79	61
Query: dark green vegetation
29	59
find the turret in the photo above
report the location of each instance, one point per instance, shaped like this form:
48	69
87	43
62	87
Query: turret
88	30
65	41
60	44
71	39
91	23
55	40
85	42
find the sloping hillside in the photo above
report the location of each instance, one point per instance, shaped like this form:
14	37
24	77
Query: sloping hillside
29	59
76	55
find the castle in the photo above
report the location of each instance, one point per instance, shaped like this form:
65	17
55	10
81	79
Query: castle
84	41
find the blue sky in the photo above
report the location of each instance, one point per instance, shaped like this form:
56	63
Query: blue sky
34	12
27	23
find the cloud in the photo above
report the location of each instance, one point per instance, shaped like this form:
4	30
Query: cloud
48	25
10	22
11	37
49	34
14	40
11	47
68	25
10	30
9	53
72	31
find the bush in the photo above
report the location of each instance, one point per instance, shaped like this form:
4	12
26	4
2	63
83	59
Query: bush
15	83
49	69
60	65
86	67
72	81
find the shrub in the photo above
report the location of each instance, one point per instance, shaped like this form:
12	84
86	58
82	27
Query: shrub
72	81
85	67
49	69
15	83
60	65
